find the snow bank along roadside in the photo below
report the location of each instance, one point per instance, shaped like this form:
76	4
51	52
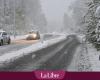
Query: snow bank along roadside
21	37
15	55
18	37
94	57
84	64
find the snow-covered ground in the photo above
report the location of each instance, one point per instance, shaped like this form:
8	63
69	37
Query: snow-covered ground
84	61
94	57
89	58
18	37
22	37
80	62
12	56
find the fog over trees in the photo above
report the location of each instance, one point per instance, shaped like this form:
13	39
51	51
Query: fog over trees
78	9
84	19
21	16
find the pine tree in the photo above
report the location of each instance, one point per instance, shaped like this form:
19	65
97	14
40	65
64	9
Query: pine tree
92	22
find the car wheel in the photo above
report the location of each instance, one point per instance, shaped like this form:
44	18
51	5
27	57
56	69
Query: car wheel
1	43
9	41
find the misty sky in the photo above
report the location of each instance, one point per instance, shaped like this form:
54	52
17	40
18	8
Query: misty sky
54	10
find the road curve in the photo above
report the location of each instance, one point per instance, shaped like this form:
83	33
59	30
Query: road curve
56	57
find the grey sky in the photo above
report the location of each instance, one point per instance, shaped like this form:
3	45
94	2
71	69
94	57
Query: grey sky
54	11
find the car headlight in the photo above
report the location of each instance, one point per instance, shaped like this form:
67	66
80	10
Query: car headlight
34	35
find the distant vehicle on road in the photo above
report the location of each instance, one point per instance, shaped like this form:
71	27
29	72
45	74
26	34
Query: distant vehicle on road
4	38
33	35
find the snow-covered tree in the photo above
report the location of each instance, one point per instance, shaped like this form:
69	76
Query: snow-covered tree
78	9
92	21
85	17
17	16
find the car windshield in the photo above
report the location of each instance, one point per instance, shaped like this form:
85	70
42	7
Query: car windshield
32	32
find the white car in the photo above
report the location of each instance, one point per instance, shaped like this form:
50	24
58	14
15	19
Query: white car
4	38
33	35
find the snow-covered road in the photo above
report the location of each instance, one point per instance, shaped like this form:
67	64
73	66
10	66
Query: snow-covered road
63	52
12	47
19	43
58	55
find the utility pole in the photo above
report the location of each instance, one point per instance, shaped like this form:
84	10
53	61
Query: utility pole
14	24
4	13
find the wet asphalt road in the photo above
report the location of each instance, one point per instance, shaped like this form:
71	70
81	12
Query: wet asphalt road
64	57
56	57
